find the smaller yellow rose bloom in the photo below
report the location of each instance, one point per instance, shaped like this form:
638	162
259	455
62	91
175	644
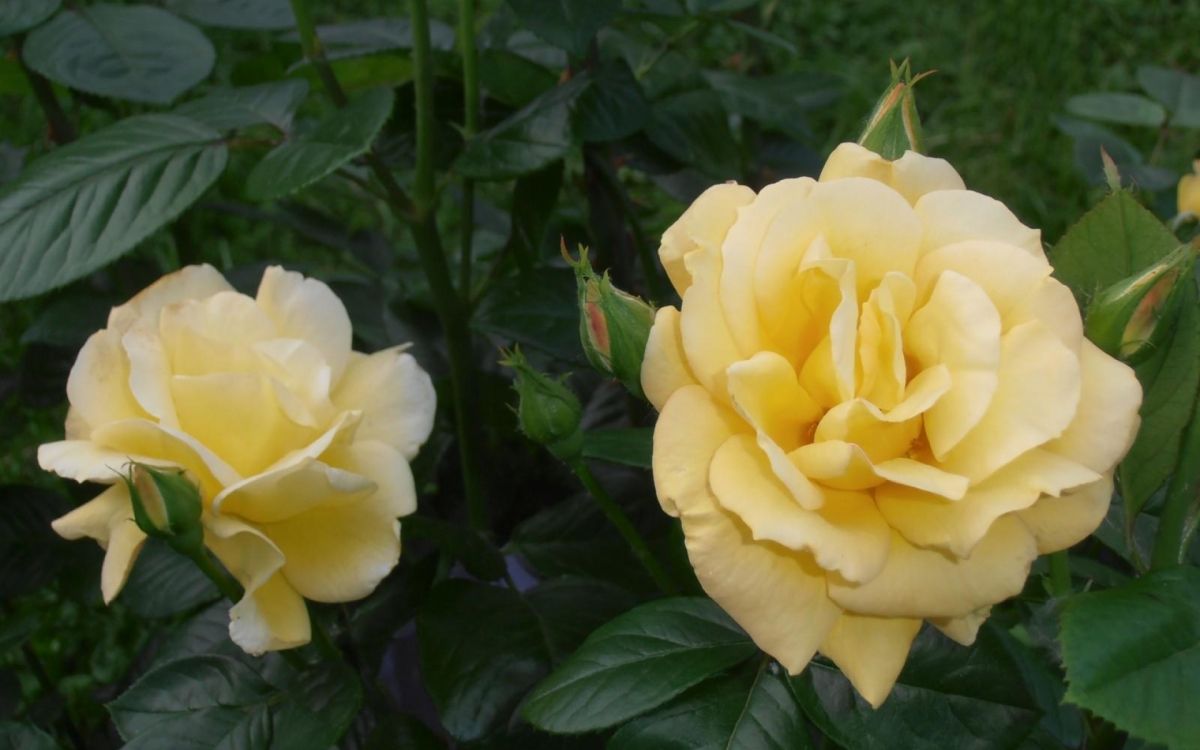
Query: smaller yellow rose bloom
1187	195
300	447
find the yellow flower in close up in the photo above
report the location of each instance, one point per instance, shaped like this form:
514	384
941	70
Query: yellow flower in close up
300	446
877	408
1187	194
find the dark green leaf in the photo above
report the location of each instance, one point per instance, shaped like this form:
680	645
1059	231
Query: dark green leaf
532	138
1178	91
21	15
369	37
763	35
513	79
571	608
535	309
134	52
694	129
1112	241
30	551
163	583
1045	685
637	662
568	24
630	447
68	321
1090	139
269	15
402	732
14	736
85	204
216	701
719	6
205	633
337	139
1169	382
229	109
16	629
1133	655
477	554
947	696
534	197
612	106
751	710
776	101
1123	109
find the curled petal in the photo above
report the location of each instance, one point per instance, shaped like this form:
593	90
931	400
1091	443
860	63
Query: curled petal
98	386
950	216
394	395
1061	522
665	368
307	309
702	227
871	651
108	519
191	282
1106	421
689	430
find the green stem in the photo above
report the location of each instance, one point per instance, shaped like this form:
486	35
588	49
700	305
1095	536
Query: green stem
315	53
61	129
225	583
424	190
470	74
1060	573
324	643
624	527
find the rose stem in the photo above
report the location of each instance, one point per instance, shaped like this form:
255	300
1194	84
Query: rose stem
624	526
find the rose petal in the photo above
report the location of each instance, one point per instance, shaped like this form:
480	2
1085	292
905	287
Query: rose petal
191	282
702	226
665	368
396	398
272	618
707	341
869	223
765	392
98	386
307	309
950	216
870	651
689	430
1106	421
1061	522
962	630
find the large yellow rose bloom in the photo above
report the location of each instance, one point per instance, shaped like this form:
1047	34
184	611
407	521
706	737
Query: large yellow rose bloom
300	446
877	408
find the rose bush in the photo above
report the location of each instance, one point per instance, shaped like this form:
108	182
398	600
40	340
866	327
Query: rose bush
299	445
877	408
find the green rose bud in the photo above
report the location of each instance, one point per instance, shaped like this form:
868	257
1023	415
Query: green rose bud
166	505
894	126
1132	318
547	411
613	324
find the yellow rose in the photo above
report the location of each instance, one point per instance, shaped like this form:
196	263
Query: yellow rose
1187	195
300	446
877	408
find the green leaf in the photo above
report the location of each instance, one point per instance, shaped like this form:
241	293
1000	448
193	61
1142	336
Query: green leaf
535	309
528	140
21	15
85	204
340	137
636	663
372	36
134	52
30	551
513	79
533	200
1123	109
268	15
1090	138
751	710
567	24
164	583
232	108
476	553
630	447
1178	91
1114	240
205	633
777	101
216	701
402	732
947	696
693	128
482	646
1133	655
612	106
15	736
69	320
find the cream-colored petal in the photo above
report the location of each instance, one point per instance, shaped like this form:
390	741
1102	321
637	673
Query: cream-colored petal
385	466
880	341
396	398
702	226
98	386
281	494
962	630
950	216
273	618
124	542
707	341
146	442
853	160
871	651
1005	272
782	312
959	328
861	423
96	518
307	309
304	379
339	553
149	372
191	282
1106	421
740	253
765	392
836	464
870	224
927	520
1061	522
778	597
914	175
689	430
83	461
829	372
927	583
665	368
1052	304
847	535
214	334
243	549
922	476
1034	402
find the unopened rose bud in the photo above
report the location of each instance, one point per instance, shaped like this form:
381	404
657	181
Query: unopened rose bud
1131	318
166	505
547	411
613	325
894	126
